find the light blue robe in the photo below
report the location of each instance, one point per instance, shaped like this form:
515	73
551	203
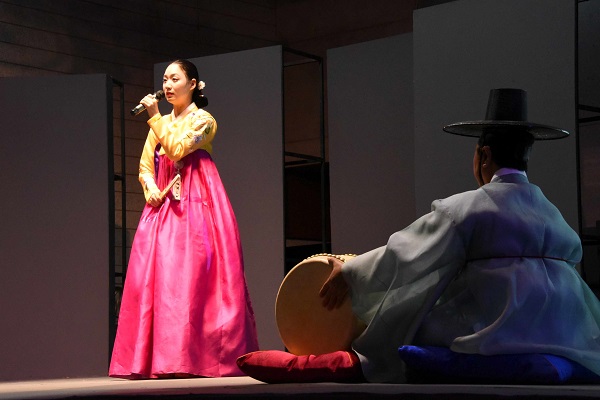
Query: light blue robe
489	271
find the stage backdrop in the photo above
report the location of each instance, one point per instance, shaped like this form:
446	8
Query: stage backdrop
244	95
54	229
589	134
371	142
462	49
386	169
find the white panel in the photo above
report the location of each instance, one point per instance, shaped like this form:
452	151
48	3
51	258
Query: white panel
244	94
370	142
54	231
465	48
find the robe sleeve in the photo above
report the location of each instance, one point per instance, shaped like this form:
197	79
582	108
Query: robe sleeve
394	286
430	243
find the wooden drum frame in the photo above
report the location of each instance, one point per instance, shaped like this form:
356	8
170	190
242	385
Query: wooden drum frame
305	326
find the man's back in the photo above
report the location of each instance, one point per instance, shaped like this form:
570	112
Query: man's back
511	217
518	291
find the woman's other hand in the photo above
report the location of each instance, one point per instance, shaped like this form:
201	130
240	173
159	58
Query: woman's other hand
154	200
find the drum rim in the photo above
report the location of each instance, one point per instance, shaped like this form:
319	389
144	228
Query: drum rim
352	327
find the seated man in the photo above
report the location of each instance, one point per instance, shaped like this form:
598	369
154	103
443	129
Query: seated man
489	271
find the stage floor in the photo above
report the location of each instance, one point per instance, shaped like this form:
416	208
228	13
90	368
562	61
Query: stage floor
248	388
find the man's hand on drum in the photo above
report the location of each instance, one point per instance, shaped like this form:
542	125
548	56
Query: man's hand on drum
335	288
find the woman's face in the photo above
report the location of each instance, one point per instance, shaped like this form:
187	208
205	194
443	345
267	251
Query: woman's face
177	87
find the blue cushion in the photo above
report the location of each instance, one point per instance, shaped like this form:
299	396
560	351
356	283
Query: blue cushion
439	364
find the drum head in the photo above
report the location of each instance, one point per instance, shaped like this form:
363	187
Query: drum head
305	326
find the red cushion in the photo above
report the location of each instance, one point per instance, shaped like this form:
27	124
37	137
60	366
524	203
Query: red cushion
274	366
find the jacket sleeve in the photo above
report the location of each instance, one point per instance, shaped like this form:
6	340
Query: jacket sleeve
180	138
146	175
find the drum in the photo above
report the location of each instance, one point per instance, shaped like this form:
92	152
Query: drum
305	326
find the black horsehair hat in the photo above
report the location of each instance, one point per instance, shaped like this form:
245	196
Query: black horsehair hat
507	109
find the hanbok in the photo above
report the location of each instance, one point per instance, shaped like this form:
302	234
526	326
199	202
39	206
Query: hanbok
185	307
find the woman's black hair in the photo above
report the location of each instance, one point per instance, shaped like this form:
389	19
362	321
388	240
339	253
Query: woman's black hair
510	146
191	72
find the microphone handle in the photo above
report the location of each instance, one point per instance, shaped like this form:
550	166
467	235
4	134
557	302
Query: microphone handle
140	107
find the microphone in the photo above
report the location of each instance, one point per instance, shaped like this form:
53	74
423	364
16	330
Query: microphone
140	107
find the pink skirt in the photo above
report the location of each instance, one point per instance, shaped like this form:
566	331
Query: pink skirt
185	307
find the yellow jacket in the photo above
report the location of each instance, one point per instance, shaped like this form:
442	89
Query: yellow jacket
193	129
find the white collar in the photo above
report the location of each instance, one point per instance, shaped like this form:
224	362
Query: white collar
190	108
506	171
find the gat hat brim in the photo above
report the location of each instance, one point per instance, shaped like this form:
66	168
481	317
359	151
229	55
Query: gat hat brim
507	109
475	128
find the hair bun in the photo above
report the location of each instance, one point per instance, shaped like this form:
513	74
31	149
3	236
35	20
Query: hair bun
202	102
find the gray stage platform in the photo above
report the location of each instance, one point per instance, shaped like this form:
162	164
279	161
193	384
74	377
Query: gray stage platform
248	388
